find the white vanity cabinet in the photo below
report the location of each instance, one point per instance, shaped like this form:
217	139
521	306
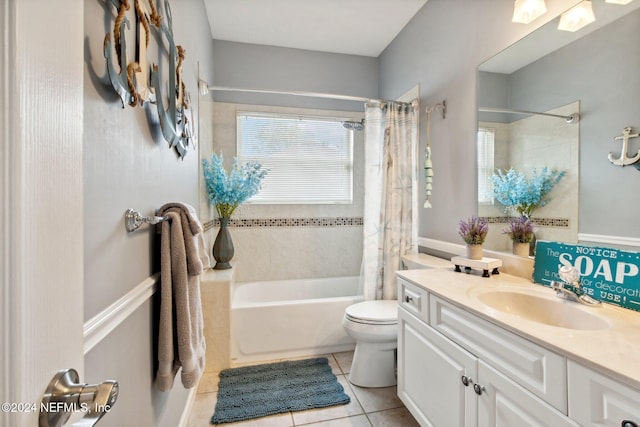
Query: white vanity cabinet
431	370
597	400
455	369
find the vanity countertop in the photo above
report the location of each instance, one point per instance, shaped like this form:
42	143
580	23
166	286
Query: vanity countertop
614	351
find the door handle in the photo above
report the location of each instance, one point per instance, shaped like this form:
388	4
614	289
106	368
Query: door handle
66	395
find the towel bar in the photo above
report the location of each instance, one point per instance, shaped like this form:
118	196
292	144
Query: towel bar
133	220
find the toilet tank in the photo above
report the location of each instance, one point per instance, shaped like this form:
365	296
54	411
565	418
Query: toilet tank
420	261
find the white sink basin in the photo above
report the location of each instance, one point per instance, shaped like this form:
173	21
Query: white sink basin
541	308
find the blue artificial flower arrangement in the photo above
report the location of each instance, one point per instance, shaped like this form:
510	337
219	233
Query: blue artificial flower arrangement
474	230
228	191
514	190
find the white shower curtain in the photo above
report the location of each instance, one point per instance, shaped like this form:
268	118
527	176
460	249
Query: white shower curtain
390	202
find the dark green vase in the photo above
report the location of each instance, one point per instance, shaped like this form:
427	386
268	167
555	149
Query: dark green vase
223	246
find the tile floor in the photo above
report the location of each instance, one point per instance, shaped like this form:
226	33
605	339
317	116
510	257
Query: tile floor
369	407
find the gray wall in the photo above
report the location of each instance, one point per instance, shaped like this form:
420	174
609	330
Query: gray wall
128	164
440	49
493	92
252	66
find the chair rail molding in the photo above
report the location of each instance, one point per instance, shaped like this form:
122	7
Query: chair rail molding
441	245
607	239
103	323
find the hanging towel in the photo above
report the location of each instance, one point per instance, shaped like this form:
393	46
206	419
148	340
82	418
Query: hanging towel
182	259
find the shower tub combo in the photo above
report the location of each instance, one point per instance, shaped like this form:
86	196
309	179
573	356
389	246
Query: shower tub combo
290	318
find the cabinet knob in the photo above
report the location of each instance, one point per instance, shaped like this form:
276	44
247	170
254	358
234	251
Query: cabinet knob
478	389
627	423
466	380
407	298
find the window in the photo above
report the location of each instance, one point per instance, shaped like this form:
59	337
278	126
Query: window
309	159
486	139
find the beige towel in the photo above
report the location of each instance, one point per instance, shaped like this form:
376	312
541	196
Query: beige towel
183	258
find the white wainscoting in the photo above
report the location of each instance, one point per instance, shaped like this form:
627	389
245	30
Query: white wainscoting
441	245
609	240
105	322
102	324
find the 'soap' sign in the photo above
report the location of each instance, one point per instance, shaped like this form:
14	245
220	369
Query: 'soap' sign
609	275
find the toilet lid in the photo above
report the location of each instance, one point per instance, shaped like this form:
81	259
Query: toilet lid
379	311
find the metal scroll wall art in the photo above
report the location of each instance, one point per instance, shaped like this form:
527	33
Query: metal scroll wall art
131	79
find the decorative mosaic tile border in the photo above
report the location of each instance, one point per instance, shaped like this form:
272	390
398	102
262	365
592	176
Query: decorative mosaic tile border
540	222
289	222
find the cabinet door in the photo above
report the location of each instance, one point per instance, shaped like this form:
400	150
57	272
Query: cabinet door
597	400
503	403
430	371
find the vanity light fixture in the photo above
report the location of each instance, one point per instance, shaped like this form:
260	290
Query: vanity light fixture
525	11
577	17
618	1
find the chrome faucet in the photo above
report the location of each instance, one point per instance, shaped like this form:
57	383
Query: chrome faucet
573	291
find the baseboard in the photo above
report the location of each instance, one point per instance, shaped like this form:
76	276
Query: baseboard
102	324
188	407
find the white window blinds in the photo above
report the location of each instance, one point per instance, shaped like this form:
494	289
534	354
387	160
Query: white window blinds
309	159
486	139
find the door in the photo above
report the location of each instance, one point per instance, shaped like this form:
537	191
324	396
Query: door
430	373
41	289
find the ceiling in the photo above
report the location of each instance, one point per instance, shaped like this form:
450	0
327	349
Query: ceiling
356	27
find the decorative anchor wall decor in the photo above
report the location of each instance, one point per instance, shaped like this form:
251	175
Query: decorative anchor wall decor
131	83
624	160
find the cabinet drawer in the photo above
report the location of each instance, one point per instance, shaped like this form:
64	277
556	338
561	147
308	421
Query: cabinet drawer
535	368
597	400
414	299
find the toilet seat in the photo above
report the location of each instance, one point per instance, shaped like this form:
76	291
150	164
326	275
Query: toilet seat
378	312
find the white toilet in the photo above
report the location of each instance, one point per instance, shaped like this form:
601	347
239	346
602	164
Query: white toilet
374	326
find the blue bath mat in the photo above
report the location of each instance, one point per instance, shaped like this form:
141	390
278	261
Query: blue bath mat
274	388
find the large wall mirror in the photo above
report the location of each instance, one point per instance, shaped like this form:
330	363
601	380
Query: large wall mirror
559	74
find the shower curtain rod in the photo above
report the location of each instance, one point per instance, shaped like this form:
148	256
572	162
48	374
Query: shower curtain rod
574	118
306	94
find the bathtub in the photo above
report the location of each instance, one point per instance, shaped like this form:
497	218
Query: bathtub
289	318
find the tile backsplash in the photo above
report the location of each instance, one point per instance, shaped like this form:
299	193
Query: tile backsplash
289	222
